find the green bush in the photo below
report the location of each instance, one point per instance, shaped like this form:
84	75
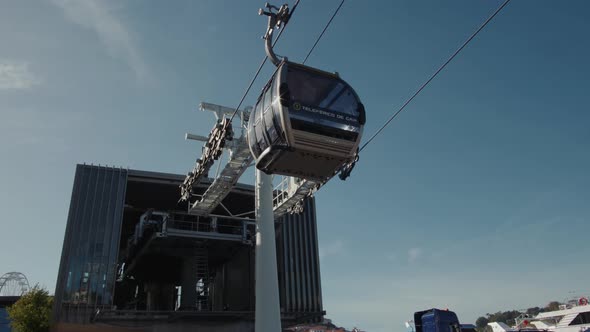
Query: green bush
32	312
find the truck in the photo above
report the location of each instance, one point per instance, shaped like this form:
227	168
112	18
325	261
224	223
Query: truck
437	320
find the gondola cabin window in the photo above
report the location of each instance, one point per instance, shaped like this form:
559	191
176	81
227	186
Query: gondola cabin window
272	128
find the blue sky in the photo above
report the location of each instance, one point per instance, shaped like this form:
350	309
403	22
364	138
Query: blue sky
475	198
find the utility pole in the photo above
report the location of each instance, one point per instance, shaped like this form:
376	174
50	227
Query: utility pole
268	315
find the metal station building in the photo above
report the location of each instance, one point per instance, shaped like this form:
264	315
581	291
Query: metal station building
133	257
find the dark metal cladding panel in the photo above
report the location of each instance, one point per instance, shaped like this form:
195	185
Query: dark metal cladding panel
305	265
300	267
297	255
285	242
280	263
310	264
290	249
89	256
316	258
59	287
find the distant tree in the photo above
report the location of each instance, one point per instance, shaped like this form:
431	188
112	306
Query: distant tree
32	312
511	317
507	317
552	306
533	311
481	323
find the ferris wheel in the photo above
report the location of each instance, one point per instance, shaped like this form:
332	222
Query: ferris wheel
14	284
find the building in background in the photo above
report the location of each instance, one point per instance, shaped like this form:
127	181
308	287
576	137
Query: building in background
6	301
12	286
133	257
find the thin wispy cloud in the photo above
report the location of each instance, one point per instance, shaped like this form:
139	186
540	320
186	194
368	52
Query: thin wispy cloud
16	75
113	34
392	256
525	220
414	254
39	127
331	249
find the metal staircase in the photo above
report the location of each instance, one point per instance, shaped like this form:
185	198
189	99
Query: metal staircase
202	270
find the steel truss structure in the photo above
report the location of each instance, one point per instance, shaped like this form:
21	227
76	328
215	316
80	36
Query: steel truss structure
288	196
14	284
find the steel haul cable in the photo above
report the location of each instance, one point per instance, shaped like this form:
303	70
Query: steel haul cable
323	31
422	87
262	64
275	41
435	74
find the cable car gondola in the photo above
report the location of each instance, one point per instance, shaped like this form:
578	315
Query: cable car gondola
307	123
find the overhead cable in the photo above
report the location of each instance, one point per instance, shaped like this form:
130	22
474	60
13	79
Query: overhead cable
262	64
323	31
434	75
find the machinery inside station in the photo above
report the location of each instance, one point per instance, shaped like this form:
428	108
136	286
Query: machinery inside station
170	260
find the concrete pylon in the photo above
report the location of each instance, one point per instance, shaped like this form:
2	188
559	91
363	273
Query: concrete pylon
268	314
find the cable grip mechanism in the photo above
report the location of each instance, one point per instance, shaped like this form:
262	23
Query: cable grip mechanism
277	18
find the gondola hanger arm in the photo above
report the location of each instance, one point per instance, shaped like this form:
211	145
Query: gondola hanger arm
276	20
